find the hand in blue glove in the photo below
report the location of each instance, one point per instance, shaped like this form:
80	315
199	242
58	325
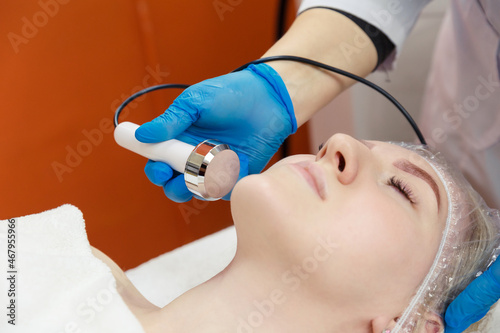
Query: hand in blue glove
249	110
475	301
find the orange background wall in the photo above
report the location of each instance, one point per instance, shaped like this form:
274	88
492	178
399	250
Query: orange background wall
66	65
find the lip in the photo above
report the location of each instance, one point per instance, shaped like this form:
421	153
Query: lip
314	175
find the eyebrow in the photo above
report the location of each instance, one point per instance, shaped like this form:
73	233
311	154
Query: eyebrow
412	169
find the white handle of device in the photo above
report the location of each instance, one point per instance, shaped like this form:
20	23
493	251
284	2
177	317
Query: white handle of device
173	152
210	169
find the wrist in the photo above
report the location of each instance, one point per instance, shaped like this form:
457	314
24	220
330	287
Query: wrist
274	79
328	37
303	83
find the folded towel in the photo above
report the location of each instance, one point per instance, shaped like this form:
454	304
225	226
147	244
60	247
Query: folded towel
59	285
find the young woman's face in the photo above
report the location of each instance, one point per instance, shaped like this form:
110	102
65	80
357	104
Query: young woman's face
362	219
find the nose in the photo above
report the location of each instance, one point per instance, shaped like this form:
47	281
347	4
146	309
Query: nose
344	153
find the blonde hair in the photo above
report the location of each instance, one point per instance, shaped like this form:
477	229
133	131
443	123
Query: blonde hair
478	241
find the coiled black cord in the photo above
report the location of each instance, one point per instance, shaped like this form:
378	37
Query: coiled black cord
145	91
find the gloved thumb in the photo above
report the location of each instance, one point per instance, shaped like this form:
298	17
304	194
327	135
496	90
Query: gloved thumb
165	127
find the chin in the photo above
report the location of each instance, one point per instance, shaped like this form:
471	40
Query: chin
274	219
255	197
278	194
263	198
270	202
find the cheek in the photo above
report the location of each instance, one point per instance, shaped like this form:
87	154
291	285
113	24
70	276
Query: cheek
381	254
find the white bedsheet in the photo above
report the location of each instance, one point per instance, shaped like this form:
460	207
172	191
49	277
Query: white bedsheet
169	275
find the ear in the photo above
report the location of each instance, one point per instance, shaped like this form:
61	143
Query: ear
431	323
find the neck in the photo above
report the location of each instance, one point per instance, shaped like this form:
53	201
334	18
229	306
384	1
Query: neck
254	296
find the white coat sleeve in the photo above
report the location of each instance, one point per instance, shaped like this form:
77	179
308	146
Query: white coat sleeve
395	18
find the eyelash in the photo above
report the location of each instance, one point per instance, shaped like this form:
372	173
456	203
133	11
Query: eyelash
403	188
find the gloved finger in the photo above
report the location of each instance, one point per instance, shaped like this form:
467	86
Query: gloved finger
176	189
475	301
158	173
465	323
171	123
243	172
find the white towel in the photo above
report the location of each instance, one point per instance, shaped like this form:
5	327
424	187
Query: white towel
60	286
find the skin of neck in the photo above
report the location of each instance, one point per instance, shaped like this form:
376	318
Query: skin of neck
257	294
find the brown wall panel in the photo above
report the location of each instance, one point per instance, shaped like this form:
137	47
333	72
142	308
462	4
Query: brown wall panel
66	65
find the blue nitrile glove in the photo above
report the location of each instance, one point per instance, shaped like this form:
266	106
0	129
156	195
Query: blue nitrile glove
475	301
249	110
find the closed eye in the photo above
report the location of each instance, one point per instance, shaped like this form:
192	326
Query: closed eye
404	189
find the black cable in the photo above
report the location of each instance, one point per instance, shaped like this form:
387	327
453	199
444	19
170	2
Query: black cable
349	75
145	91
288	58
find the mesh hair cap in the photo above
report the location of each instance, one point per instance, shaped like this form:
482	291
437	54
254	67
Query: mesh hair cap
469	245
